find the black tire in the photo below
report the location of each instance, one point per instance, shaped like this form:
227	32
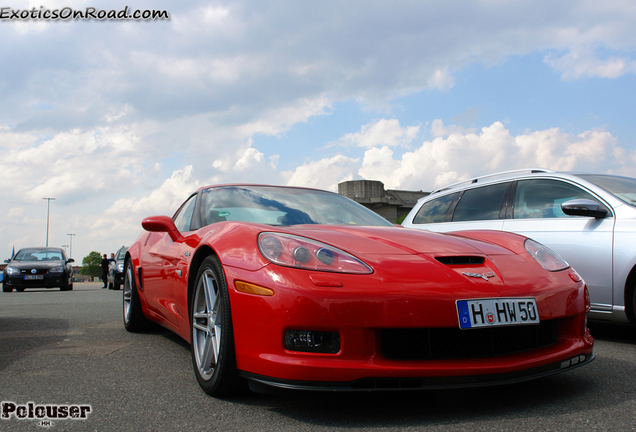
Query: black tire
21	289
634	304
212	337
66	287
134	319
117	286
6	288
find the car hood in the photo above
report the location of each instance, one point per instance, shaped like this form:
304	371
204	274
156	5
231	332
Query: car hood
397	241
36	264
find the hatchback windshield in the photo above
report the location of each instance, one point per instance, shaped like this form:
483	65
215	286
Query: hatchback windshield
624	188
38	255
284	206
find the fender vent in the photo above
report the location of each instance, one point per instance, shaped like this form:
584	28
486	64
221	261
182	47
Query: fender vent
460	260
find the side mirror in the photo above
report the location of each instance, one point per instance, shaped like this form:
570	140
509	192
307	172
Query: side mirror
7	261
161	224
70	260
584	207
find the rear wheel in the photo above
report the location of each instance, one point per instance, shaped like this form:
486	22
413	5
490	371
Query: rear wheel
212	338
134	319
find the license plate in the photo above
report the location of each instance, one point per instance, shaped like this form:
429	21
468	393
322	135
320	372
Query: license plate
34	277
497	312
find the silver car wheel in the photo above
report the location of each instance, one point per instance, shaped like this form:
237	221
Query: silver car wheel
127	294
206	324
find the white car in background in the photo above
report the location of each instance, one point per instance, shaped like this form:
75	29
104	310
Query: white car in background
589	219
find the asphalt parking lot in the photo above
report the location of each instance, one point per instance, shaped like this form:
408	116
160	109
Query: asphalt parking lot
71	349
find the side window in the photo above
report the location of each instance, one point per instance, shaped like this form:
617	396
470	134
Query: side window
482	203
436	210
543	198
184	218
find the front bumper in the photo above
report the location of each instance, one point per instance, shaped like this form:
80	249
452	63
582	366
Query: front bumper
49	281
426	383
361	308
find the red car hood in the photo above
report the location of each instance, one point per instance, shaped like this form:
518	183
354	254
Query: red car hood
394	241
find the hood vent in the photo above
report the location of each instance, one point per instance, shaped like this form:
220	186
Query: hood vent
461	260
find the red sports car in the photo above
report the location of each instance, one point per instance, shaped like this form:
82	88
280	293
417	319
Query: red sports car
305	289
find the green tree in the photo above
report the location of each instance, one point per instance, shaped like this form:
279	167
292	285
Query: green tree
91	264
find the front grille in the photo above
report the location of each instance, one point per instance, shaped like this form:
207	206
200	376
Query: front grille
454	343
28	271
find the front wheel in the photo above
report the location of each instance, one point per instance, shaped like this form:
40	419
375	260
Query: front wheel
134	319
212	338
6	288
634	303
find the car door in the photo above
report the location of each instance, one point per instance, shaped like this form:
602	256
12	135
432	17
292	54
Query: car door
584	242
163	265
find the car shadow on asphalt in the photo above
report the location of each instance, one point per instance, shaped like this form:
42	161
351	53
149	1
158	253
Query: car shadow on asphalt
613	332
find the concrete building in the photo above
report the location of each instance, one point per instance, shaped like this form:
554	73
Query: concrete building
391	204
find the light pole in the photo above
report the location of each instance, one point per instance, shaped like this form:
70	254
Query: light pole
71	237
64	246
48	211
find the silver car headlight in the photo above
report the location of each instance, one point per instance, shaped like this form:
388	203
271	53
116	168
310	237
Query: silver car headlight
12	271
120	267
549	260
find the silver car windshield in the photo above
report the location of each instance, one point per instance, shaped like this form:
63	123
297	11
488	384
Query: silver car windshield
623	188
284	206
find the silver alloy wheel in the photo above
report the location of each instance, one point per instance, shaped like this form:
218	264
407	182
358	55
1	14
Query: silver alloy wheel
127	294
206	323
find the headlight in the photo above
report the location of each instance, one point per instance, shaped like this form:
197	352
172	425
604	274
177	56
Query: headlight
549	260
120	267
300	252
12	271
59	269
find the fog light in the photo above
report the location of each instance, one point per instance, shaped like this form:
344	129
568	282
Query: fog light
312	341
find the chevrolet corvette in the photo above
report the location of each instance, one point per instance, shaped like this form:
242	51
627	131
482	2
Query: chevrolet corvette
300	288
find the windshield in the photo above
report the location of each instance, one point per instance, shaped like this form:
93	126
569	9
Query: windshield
39	255
122	254
284	206
624	188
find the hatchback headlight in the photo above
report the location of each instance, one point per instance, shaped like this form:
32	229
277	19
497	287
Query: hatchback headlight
12	271
59	269
549	259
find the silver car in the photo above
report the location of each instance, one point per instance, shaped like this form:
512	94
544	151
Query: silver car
589	219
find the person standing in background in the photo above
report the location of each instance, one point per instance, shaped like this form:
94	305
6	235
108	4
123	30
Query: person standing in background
104	266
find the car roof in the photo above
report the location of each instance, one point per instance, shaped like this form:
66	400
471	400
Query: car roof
517	174
260	185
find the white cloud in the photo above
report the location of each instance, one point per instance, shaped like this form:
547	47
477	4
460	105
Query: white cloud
460	156
323	174
381	133
584	62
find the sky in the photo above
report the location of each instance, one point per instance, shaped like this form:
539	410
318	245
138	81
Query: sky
123	119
